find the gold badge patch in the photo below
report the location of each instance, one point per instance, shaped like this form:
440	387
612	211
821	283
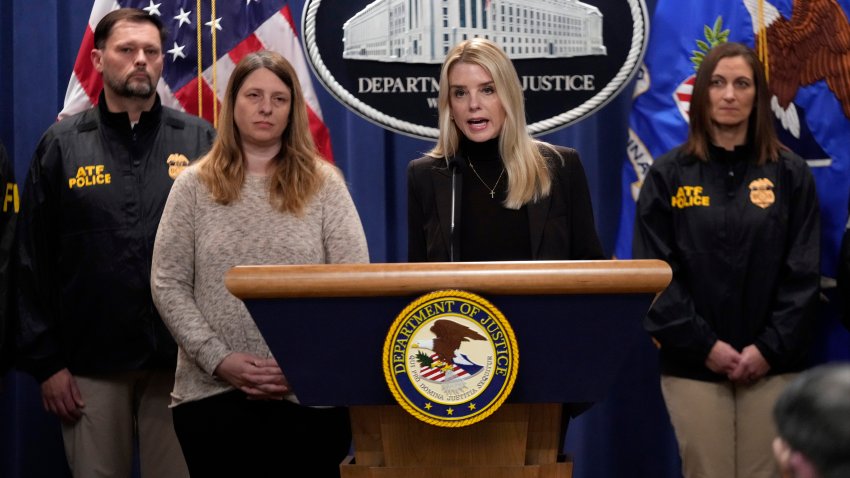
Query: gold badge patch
761	193
176	164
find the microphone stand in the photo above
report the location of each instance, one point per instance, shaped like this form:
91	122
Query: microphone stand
453	166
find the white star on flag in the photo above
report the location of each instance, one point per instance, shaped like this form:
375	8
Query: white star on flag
183	17
177	51
214	24
153	9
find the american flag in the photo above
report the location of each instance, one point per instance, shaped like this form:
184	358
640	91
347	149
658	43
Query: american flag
238	27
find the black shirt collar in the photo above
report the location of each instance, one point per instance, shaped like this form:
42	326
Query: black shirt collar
148	121
479	152
742	152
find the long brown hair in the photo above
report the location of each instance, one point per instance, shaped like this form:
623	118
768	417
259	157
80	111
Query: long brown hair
528	174
760	129
295	174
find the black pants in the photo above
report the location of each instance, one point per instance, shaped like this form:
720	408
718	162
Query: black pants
229	435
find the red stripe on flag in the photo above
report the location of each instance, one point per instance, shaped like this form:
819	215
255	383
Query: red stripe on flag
249	45
188	97
321	134
287	14
88	77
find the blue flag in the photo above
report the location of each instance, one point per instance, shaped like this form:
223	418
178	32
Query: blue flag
809	76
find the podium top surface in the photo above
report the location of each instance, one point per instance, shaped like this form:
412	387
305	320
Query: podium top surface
397	279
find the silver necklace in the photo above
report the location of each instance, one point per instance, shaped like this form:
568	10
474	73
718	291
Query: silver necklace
493	189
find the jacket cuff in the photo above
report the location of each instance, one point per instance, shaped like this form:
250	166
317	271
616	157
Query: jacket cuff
211	355
41	369
769	355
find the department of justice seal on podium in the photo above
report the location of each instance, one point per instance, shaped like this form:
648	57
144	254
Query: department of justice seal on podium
450	358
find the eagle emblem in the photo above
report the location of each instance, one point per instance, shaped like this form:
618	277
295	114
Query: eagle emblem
813	45
447	362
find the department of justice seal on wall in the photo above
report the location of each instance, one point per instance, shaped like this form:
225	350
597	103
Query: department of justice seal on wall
450	358
382	58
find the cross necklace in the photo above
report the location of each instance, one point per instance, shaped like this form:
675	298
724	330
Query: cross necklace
493	189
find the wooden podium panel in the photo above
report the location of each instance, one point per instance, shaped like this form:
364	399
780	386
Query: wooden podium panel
510	437
574	322
552	470
517	440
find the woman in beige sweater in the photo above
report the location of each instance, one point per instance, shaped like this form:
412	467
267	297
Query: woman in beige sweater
263	195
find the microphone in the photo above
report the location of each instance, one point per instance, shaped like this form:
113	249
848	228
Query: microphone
453	164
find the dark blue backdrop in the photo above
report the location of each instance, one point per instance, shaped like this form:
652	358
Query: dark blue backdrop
628	434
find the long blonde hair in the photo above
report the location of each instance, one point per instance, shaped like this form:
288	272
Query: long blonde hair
295	176
528	175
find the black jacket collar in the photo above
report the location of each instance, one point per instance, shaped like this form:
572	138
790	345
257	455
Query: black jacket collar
120	122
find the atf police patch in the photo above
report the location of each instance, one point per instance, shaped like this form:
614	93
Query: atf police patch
450	358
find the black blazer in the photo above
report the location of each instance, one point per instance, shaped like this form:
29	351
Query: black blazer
561	225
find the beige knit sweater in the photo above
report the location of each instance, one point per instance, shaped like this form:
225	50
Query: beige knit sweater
199	240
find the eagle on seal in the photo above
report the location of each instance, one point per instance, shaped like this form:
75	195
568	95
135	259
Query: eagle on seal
448	335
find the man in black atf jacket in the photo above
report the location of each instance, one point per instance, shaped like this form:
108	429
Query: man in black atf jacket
8	214
89	331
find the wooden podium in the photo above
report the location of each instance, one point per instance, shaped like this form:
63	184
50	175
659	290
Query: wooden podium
574	321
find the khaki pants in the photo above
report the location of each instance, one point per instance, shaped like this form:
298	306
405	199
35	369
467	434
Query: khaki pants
724	430
119	407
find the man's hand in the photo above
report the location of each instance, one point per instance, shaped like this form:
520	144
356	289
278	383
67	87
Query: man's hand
60	395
